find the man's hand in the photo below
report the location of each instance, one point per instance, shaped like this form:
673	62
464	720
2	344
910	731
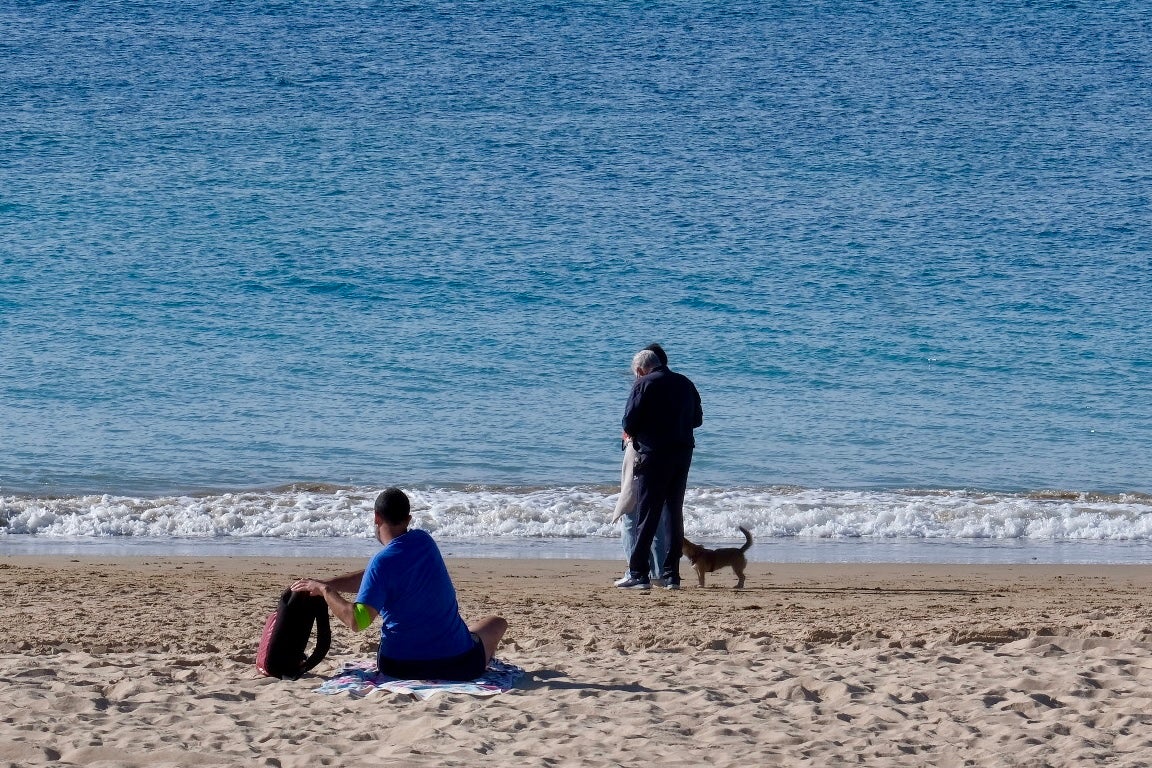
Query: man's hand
343	610
311	586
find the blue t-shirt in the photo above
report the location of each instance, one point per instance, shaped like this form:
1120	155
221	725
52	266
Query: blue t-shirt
408	585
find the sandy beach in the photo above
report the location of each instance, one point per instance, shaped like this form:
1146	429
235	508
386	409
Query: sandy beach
149	662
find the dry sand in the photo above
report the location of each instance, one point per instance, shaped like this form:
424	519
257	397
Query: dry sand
149	662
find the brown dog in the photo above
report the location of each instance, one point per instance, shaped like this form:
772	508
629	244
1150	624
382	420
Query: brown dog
709	560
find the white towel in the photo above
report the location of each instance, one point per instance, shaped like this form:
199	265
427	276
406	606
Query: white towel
627	500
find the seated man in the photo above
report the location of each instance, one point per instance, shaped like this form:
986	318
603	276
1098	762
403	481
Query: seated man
422	636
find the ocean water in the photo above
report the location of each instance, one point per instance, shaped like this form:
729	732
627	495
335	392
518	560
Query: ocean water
260	260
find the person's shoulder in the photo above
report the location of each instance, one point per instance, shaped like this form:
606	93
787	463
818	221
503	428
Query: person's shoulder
412	537
678	376
686	385
379	559
403	547
418	538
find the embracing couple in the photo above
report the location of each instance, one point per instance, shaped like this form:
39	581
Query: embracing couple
662	411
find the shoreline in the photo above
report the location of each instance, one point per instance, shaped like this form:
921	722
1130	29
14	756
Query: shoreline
768	550
897	664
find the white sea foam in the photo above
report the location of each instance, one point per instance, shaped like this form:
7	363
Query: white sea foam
711	514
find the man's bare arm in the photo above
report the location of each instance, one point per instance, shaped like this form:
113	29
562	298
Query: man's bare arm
342	609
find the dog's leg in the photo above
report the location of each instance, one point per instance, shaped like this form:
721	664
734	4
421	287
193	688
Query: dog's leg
739	569
700	575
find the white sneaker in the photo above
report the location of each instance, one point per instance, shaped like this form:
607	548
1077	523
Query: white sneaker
630	583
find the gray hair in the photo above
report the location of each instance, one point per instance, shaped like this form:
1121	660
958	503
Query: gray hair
645	360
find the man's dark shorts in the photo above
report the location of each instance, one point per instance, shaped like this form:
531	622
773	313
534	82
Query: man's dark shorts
466	666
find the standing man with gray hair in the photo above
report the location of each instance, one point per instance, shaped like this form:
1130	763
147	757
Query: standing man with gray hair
663	409
626	510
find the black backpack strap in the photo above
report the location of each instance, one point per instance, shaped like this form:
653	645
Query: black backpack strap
323	636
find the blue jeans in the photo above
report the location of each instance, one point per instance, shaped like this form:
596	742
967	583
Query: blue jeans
630	528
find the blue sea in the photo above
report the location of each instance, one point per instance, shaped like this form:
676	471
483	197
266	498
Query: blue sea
260	260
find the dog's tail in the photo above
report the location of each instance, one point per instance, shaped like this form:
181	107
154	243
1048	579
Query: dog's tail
748	536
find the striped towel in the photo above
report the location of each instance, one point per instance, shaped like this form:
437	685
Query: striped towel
360	678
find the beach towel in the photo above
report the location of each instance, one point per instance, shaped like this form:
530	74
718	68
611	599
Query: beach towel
360	678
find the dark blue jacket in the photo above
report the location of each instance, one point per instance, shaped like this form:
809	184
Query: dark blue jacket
663	409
